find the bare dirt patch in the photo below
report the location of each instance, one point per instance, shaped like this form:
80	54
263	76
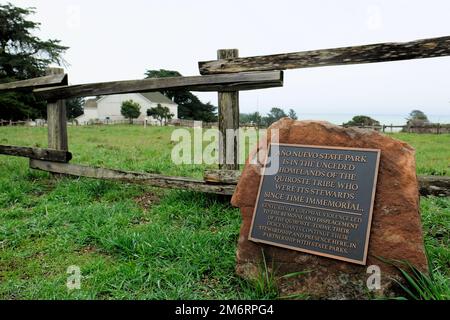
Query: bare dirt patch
147	200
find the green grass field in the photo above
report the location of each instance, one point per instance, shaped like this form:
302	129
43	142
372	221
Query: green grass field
138	242
432	152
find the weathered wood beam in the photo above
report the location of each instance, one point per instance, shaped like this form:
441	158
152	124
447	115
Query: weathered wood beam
36	153
215	181
434	185
221	176
428	185
57	119
30	84
230	82
228	112
380	52
57	125
155	180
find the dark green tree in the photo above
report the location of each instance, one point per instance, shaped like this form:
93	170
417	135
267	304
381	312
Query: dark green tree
244	118
292	114
130	110
23	56
362	121
417	117
251	118
160	113
74	108
189	105
256	118
274	115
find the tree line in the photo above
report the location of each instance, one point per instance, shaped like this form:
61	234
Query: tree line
132	110
259	120
415	118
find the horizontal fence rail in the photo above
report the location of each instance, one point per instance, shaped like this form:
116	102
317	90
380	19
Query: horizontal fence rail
434	185
428	185
12	123
437	128
155	180
35	83
221	182
381	52
225	82
36	153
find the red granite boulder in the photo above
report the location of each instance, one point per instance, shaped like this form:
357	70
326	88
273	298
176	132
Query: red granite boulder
396	231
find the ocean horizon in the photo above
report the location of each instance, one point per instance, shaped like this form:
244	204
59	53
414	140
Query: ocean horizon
386	119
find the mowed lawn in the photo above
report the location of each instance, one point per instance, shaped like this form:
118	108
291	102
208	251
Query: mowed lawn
138	242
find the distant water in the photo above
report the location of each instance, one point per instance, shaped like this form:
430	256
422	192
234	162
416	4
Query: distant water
387	119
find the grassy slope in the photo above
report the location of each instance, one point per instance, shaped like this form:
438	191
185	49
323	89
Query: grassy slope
138	242
432	152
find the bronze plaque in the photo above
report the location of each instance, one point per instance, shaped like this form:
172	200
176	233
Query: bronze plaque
317	199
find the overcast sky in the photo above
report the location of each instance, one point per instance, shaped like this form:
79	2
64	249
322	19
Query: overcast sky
118	40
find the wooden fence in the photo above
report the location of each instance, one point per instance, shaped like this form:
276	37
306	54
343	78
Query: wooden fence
12	123
436	128
227	75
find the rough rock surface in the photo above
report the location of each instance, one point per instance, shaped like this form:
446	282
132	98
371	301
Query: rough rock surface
396	231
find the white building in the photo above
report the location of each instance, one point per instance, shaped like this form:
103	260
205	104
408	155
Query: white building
108	107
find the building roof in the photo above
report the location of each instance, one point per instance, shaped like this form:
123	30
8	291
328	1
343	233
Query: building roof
156	97
90	103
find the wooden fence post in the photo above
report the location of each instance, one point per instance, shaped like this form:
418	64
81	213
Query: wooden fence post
228	119
57	119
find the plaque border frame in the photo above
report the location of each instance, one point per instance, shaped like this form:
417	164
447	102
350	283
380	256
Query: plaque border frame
372	200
